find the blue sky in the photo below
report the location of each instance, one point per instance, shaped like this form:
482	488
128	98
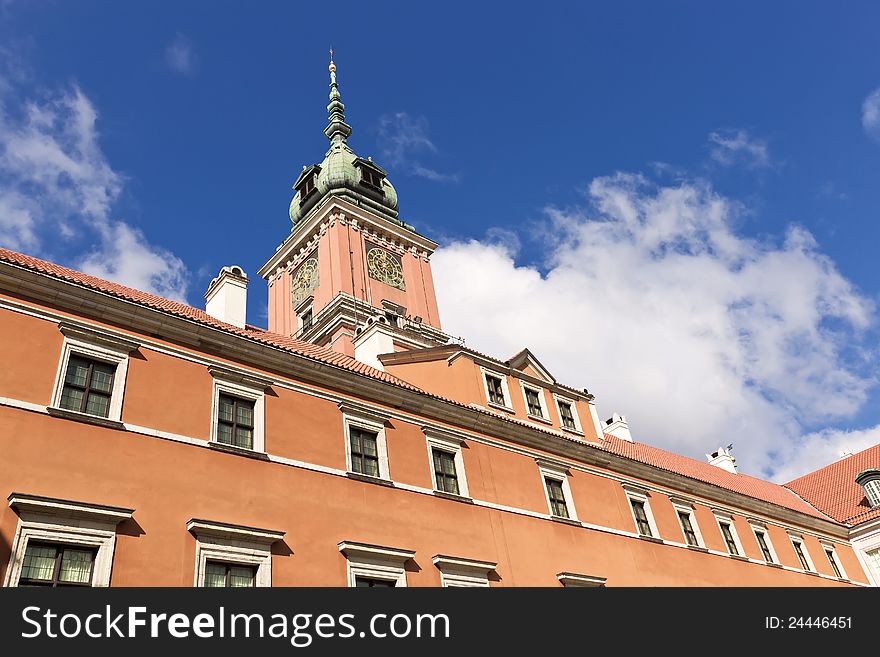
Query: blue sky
673	204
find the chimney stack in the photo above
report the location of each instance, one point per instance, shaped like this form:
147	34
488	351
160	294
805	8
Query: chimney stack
723	458
617	426
226	298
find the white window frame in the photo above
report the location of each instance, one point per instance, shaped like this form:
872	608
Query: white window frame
638	494
760	528
577	580
870	559
508	401
375	562
96	345
365	417
49	520
558	472
872	491
727	518
240	386
545	413
797	538
451	443
826	545
233	544
688	508
560	399
458	572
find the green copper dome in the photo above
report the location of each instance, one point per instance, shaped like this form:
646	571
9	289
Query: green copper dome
342	172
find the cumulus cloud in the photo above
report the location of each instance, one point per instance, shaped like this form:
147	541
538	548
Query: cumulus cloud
702	337
180	56
871	114
405	140
57	191
738	147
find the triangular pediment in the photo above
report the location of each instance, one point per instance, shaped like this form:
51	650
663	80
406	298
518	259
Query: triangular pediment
526	362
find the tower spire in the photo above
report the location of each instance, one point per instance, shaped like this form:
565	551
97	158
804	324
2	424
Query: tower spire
337	129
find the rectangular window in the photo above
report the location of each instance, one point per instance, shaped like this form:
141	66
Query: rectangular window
372	582
565	413
799	550
557	497
364	451
727	533
690	535
305	320
444	471
56	565
371	178
642	523
533	402
873	559
765	549
88	386
832	559
235	421
306	187
219	574
496	390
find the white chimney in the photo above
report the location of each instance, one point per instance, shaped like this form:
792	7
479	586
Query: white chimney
226	298
723	458
617	426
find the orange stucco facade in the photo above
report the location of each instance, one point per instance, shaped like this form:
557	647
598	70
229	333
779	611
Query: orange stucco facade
159	463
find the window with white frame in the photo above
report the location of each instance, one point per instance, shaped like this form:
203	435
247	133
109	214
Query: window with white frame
366	452
869	480
92	372
641	510
62	543
374	565
762	536
557	490
238	410
446	461
461	572
497	392
728	533
803	556
232	555
834	560
872	558
536	406
568	415
688	521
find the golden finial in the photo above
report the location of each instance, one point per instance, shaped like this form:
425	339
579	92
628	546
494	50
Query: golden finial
332	66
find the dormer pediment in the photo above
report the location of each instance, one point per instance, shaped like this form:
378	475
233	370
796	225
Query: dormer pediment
526	362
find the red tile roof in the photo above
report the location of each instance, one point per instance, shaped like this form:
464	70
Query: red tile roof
306	349
710	474
834	490
653	456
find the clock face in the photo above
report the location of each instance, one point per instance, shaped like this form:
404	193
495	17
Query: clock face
304	281
385	267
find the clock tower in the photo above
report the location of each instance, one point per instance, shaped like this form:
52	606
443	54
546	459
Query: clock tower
351	276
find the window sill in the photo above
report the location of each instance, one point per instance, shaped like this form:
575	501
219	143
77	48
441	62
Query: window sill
453	497
538	418
566	521
239	451
84	417
651	539
573	432
368	479
500	407
738	557
773	565
697	548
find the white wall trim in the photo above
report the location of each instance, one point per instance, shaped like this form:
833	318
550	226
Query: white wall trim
688	508
761	528
247	388
451	444
364	417
799	539
557	472
545	414
562	399
638	494
375	562
461	572
233	544
508	401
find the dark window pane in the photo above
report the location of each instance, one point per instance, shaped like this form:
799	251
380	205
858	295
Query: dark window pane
87	386
833	562
555	492
728	539
496	390
765	550
364	452
39	562
371	582
642	523
686	526
566	414
444	472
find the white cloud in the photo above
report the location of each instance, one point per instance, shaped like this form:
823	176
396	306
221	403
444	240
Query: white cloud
653	301
404	141
871	114
57	191
820	448
732	147
180	56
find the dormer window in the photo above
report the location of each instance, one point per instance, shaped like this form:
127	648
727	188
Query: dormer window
371	175
306	187
869	480
371	178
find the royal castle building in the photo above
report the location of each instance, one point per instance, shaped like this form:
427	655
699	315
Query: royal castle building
352	442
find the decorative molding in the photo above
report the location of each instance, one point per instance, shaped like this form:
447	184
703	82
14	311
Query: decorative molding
222	530
578	580
67	509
